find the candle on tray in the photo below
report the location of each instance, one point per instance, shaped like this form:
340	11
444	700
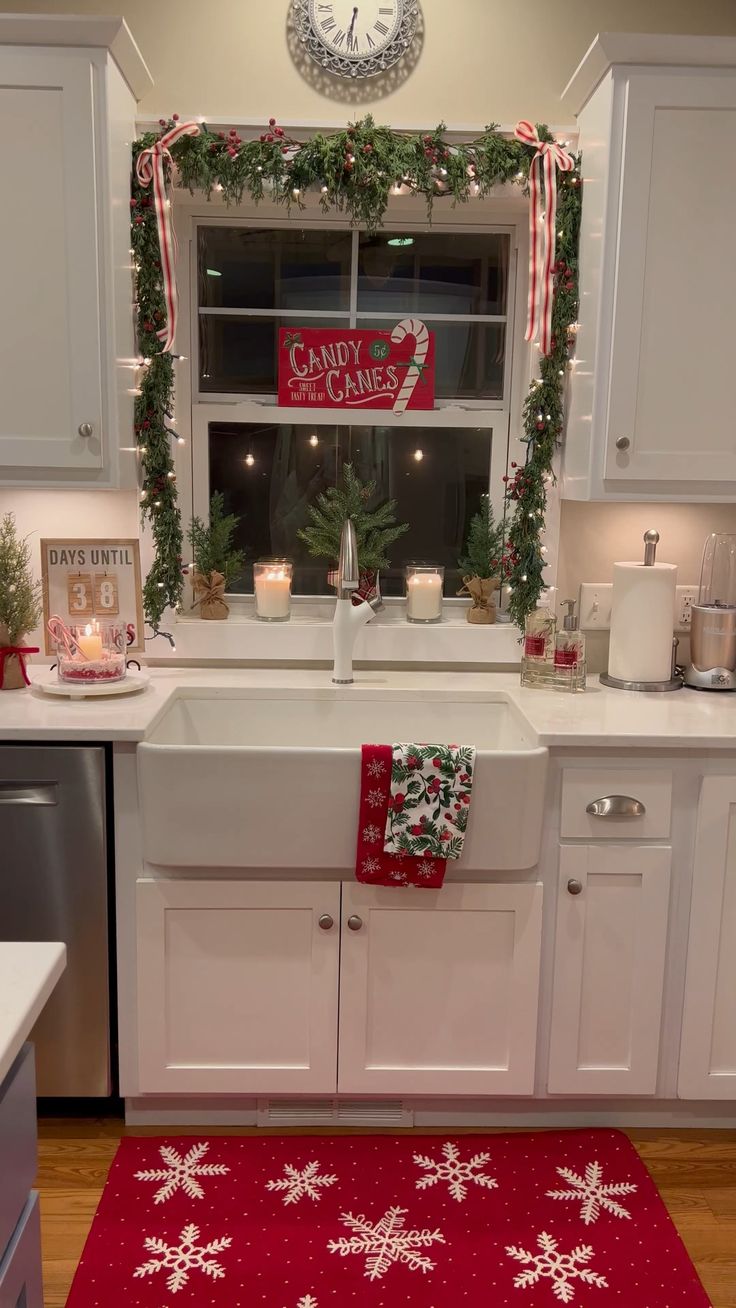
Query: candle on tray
90	644
424	593
272	584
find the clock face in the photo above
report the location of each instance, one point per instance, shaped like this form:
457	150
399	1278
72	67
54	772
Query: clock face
356	38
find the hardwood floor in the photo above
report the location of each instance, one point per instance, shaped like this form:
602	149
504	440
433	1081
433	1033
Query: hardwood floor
694	1170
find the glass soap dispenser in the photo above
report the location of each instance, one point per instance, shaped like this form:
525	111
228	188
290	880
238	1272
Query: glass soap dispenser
569	656
537	660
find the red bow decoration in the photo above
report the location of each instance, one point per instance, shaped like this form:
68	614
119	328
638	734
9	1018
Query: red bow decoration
21	652
151	166
542	229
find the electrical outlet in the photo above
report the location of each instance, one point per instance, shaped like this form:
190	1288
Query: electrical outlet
595	605
685	597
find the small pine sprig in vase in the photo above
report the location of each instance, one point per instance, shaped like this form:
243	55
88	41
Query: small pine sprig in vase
481	564
376	529
20	604
216	563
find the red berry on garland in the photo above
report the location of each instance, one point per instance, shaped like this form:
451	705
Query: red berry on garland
162	122
269	138
272	122
367	149
133	204
138	220
232	152
540	426
145	423
232	132
213	147
221	136
514	465
175	118
278	131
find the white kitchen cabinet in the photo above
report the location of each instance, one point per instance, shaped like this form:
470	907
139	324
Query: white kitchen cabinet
652	377
708	1048
237	986
611	934
66	325
439	989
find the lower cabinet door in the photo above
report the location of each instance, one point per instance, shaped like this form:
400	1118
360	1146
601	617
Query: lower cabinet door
439	989
237	986
612	911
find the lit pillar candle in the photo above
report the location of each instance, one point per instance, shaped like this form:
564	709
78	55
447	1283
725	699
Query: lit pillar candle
273	590
424	595
90	644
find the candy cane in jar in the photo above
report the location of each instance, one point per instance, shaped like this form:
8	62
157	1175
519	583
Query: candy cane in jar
416	328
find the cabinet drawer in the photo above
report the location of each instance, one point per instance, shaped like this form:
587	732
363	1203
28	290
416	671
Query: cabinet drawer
647	819
17	1143
21	1284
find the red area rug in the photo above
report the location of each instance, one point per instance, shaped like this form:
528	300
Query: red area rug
491	1221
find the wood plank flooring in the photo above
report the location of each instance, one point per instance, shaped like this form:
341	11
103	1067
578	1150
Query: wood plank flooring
694	1170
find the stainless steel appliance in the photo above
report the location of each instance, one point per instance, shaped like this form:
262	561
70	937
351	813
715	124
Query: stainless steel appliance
713	625
54	886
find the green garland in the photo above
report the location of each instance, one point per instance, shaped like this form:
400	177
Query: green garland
355	171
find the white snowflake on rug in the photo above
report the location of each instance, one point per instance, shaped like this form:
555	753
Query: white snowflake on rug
370	865
181	1172
592	1194
385	1242
307	1301
183	1258
375	798
372	834
299	1185
454	1171
563	1269
376	767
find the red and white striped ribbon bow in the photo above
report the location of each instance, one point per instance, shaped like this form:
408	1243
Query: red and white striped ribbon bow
542	229
151	167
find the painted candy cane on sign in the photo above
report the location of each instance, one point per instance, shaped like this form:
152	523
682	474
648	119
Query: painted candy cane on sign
416	328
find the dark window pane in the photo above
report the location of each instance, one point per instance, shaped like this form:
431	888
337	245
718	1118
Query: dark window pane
249	268
270	473
469	357
240	354
431	272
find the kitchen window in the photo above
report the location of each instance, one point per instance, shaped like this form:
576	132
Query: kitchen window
271	463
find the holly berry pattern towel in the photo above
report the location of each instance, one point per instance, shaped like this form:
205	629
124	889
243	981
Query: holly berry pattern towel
373	865
429	806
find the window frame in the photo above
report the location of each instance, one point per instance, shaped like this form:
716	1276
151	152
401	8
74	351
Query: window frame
194	409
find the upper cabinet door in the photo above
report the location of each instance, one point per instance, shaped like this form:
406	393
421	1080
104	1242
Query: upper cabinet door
670	402
708	1051
50	361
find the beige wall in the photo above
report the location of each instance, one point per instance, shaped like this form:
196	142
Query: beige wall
481	59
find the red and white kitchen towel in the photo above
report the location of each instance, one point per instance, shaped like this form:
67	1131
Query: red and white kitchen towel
414	808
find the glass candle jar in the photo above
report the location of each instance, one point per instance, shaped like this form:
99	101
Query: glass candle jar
272	584
94	652
424	592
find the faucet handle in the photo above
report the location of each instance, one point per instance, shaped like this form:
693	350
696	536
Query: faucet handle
348	576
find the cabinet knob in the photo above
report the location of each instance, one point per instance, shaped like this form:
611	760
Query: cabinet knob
574	887
85	429
355	922
326	922
623	443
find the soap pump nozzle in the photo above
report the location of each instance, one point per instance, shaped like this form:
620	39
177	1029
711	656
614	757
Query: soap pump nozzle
570	620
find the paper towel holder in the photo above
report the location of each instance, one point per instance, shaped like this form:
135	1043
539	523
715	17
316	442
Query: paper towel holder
675	682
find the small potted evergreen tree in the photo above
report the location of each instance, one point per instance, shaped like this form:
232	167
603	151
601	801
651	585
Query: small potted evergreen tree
481	564
20	604
216	564
376	529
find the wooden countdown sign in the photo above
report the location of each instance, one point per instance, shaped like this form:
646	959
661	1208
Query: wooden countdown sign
93	579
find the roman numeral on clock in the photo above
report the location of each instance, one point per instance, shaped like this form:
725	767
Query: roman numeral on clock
324	9
369	40
338	40
327	24
378	26
386	11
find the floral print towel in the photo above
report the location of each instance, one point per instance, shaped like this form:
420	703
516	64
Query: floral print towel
373	866
429	805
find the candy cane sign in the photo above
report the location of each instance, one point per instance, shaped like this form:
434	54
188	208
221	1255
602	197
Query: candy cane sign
416	328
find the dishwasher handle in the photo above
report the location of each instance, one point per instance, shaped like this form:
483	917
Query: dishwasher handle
29	792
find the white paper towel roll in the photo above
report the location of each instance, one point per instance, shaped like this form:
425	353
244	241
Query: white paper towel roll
642	621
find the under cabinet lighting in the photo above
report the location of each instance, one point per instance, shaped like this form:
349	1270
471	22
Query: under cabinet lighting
213	272
401	240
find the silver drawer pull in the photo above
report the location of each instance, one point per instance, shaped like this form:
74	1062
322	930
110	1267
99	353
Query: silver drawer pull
28	792
616	806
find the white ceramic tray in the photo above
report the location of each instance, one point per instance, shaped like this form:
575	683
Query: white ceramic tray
132	682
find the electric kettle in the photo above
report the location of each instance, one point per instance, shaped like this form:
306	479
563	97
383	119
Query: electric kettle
713	628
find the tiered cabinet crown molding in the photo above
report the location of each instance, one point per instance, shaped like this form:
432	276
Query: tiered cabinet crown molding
66	363
708	1052
650	395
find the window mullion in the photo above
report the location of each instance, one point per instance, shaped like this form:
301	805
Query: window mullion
354	255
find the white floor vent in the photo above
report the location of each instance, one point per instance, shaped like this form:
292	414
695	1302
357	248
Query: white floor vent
334	1112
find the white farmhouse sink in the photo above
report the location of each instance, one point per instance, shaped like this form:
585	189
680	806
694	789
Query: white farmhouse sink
271	780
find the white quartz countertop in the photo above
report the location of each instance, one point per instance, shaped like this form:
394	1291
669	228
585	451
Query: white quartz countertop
29	970
600	717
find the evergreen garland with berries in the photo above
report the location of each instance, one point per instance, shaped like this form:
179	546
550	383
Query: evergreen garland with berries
356	171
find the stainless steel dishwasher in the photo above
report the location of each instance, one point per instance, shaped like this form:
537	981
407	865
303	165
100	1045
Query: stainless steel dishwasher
54	886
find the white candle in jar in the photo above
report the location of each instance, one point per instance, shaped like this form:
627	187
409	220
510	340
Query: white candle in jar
273	587
90	644
424	597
